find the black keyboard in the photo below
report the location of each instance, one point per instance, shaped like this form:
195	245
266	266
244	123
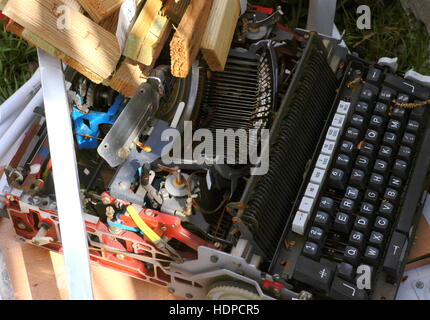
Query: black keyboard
357	209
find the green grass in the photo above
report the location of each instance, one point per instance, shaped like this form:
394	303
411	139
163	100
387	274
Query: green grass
17	63
394	33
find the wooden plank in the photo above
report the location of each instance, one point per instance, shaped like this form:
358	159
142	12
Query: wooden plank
152	29
39	274
128	78
110	23
219	33
186	42
35	40
85	46
100	9
134	48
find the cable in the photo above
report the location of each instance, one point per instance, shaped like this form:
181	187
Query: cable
155	238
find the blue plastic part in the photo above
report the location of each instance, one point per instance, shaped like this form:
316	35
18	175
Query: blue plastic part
89	124
123	227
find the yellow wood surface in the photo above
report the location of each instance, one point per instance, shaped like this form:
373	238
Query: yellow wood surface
85	42
39	274
100	9
186	42
219	33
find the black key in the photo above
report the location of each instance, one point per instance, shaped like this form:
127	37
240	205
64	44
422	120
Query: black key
368	150
409	140
337	179
372	136
357	239
312	250
394	126
387	95
381	109
407	87
377	123
371	196
343	290
367	209
390	139
313	273
413	127
347	147
362	224
352	193
377	239
346	271
323	220
400	169
369	93
347	206
357	122
358	179
381	167
386	153
371	255
362	108
405	153
387	210
362	163
374	75
396	183
382	225
376	182
403	98
352	134
399	114
317	235
391	195
352	255
343	162
417	114
342	223
395	255
327	205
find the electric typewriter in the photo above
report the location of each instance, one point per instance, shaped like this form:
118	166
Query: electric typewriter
349	156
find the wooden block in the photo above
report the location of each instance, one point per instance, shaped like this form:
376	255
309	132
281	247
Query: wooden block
149	20
100	9
127	78
111	23
175	10
35	40
85	46
186	42
219	33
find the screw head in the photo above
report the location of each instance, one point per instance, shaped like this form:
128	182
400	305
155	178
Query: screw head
420	285
214	259
189	296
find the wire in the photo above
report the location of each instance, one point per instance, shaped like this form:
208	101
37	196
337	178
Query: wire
194	202
412	105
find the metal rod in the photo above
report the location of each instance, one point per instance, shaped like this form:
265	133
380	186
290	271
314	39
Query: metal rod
66	180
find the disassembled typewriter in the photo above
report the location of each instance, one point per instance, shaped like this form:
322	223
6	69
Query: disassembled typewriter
216	231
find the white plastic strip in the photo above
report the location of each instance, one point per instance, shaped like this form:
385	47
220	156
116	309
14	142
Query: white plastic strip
19	126
66	180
